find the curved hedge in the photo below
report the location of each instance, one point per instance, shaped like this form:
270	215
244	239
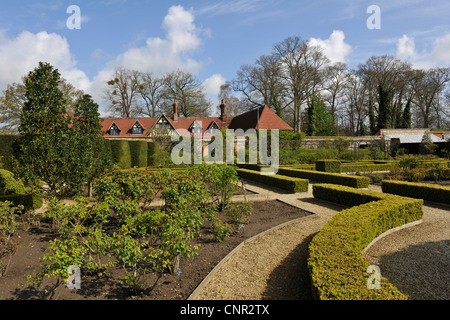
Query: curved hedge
337	267
423	191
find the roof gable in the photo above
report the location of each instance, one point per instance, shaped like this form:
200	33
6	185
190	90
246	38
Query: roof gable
262	118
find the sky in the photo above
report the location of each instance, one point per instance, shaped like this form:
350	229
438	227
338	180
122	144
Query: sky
210	39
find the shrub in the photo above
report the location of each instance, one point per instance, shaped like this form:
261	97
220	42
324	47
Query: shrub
286	183
9	185
328	166
8	227
220	181
336	265
417	190
334	178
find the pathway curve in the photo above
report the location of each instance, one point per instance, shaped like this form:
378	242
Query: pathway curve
273	265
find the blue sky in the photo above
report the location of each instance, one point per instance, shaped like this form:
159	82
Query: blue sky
211	39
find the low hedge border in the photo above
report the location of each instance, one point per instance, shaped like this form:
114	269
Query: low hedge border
423	191
325	177
30	202
333	166
337	267
286	183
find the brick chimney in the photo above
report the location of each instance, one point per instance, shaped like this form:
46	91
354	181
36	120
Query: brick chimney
223	111
175	111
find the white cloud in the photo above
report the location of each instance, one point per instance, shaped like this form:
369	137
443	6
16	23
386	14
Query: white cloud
334	47
437	56
212	85
22	54
163	55
159	55
441	49
406	48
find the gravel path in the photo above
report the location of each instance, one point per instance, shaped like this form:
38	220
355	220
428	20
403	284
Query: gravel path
273	265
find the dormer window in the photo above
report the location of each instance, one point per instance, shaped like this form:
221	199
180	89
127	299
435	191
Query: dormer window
137	129
114	130
196	128
213	128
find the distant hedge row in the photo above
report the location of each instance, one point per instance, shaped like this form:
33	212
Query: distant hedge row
125	153
423	191
326	177
129	154
337	267
286	183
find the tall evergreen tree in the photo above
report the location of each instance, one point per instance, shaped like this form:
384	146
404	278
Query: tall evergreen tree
44	129
385	110
406	116
372	119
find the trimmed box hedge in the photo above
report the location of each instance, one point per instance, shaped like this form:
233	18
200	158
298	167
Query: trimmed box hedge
423	191
30	202
152	149
337	267
121	155
333	166
333	178
139	153
286	183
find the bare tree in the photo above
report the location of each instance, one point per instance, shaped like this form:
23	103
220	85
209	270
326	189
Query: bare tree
335	84
152	93
189	93
122	92
234	105
302	72
428	86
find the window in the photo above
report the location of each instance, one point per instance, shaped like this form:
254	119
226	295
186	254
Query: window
137	129
213	129
196	128
114	130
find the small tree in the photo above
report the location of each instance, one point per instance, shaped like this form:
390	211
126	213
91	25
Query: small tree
92	158
320	122
427	146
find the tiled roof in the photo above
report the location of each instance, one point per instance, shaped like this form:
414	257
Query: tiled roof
268	120
262	118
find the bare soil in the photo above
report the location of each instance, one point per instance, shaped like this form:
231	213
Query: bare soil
33	242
